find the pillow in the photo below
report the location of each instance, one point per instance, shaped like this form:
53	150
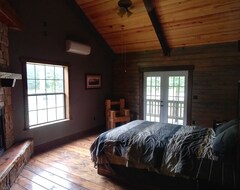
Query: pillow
225	126
226	141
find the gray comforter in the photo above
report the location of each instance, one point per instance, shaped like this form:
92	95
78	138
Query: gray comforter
165	148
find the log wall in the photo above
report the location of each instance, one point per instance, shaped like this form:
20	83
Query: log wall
215	76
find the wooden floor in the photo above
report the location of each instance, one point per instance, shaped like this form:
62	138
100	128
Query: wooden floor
70	167
66	167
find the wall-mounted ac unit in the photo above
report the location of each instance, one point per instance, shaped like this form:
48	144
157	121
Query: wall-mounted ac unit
76	47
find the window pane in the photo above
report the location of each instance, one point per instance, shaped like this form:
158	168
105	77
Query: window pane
33	118
52	114
60	113
31	86
148	91
32	103
42	116
153	81
148	81
30	71
58	72
176	96
59	86
158	81
42	102
170	81
40	71
40	86
49	72
170	93
50	86
51	101
176	81
182	81
60	100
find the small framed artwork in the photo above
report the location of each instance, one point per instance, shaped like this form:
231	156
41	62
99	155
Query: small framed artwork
93	81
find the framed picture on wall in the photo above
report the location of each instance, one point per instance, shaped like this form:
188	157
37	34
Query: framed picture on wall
93	81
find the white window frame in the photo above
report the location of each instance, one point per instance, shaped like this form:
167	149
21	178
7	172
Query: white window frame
55	94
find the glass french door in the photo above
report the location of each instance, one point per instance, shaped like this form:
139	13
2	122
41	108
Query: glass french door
165	96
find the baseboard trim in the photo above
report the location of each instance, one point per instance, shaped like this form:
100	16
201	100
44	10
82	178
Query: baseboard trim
58	142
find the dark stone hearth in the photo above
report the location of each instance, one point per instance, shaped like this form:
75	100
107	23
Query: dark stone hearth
13	161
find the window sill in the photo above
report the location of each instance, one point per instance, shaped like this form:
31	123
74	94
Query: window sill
48	124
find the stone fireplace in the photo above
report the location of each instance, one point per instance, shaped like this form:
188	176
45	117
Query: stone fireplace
5	92
2	145
13	155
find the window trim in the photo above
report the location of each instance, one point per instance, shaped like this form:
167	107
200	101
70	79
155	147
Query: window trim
24	61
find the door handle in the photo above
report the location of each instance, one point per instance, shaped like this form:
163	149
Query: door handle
161	103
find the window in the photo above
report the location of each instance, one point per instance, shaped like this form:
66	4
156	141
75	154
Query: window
46	93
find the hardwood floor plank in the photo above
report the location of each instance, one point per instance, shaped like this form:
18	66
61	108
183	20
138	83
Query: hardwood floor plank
67	175
27	184
17	187
88	173
65	167
75	166
53	178
40	180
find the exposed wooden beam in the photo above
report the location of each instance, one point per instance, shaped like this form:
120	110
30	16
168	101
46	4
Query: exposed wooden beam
157	26
8	16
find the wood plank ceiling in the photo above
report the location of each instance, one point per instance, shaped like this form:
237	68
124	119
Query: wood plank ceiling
8	16
184	23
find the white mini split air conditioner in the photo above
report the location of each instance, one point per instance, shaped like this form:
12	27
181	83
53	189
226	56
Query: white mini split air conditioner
78	48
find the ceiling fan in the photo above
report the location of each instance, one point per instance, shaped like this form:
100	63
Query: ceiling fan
124	6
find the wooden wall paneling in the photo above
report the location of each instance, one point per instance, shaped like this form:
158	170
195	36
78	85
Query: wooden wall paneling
214	86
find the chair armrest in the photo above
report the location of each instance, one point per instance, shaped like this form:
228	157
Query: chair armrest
112	113
126	112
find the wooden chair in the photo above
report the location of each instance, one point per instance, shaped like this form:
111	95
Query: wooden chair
113	116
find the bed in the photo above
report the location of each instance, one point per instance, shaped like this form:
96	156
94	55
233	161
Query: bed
191	153
163	148
171	156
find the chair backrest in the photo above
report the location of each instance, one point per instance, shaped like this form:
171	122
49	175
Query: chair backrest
117	106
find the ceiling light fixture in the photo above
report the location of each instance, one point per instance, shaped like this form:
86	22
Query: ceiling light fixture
124	6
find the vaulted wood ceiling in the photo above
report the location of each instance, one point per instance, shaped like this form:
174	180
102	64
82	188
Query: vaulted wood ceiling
184	23
8	15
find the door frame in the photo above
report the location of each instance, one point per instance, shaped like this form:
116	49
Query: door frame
164	91
188	68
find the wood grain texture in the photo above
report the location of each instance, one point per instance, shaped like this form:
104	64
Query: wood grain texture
8	15
184	23
215	77
68	166
136	32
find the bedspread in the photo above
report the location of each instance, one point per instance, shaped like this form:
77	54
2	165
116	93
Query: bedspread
160	147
